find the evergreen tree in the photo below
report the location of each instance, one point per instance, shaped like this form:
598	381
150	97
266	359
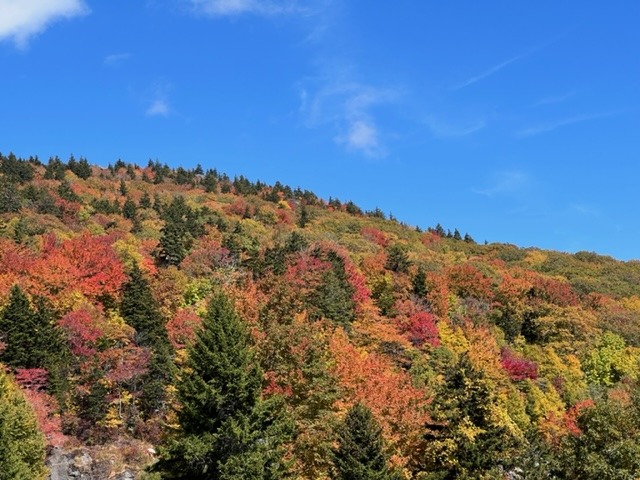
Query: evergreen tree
140	310
10	201
360	452
226	430
303	219
31	337
419	283
145	200
22	446
456	235
55	169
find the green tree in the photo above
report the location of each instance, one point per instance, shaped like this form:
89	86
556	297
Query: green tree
227	431
140	310
360	452
468	442
31	337
22	445
397	259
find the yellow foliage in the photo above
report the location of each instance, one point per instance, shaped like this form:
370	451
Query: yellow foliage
535	258
452	338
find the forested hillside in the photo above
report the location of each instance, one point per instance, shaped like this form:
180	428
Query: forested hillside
184	324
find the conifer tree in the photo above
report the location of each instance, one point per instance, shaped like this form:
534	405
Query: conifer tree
360	452
140	310
30	335
227	431
22	446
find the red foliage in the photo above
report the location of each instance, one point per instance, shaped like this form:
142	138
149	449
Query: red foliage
182	327
554	291
32	378
83	329
570	419
423	329
376	236
49	422
518	368
34	381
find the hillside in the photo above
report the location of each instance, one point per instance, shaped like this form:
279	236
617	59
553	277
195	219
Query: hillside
128	294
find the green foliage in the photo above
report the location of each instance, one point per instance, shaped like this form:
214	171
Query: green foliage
608	362
10	201
22	446
360	452
31	336
474	444
14	169
607	447
140	310
227	430
397	259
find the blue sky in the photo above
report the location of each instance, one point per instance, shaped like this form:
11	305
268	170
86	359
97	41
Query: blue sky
517	122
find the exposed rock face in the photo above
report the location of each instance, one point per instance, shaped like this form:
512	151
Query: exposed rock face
81	464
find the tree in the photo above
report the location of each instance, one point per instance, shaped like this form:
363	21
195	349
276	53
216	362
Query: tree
31	336
227	431
360	452
140	310
22	446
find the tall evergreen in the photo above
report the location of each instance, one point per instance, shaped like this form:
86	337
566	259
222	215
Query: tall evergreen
360	452
227	431
30	335
140	310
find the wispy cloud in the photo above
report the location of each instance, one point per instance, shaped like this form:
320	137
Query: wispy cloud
443	129
115	59
564	122
506	183
349	106
222	8
159	105
553	99
490	71
20	20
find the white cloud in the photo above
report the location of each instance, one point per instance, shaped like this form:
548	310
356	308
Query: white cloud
115	59
363	136
553	125
158	108
348	107
158	100
221	8
22	19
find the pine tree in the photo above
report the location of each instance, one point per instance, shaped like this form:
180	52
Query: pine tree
22	446
226	430
360	452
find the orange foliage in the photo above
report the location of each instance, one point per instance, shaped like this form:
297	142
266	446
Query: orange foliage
371	379
467	281
85	263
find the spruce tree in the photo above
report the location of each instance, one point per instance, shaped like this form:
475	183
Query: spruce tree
31	337
226	430
140	310
360	452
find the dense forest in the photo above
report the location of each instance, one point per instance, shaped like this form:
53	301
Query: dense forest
182	324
